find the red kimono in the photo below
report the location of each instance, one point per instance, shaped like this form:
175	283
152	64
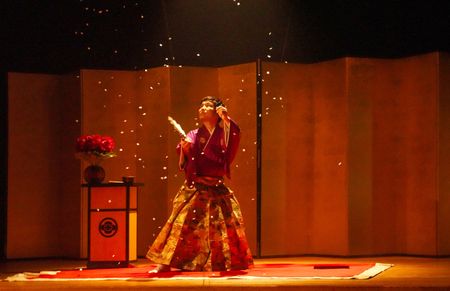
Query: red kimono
205	231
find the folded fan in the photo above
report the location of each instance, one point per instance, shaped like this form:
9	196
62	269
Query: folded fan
177	127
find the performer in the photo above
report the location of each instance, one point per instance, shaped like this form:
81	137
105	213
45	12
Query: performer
205	231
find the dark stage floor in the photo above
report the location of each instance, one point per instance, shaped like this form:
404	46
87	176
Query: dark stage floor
408	273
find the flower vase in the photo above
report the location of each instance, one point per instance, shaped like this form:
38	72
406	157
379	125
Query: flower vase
94	174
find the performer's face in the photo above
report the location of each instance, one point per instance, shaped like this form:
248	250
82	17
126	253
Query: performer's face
207	111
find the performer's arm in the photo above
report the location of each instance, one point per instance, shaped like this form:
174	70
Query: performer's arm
232	141
183	149
232	135
223	114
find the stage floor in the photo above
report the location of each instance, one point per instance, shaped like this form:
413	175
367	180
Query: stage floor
408	273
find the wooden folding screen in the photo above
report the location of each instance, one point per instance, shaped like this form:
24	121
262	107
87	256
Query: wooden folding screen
355	157
355	152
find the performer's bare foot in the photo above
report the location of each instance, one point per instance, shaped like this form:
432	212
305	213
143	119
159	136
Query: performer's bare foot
160	269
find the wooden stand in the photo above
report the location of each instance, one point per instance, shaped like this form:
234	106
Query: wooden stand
112	224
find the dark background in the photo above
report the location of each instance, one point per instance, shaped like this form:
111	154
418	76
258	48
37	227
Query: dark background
66	35
62	36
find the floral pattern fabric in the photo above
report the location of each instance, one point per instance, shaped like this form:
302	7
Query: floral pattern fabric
205	232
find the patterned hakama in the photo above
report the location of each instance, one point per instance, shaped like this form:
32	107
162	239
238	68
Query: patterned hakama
205	232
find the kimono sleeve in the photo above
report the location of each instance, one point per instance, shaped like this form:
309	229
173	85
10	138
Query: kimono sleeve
232	138
189	137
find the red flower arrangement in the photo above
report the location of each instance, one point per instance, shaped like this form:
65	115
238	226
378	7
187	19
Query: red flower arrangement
95	148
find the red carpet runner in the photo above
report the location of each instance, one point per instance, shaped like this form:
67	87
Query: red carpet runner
279	271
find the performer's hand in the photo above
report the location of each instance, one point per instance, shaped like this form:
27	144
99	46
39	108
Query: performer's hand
185	145
223	113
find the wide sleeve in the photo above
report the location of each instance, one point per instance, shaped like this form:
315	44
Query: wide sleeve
184	157
232	138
